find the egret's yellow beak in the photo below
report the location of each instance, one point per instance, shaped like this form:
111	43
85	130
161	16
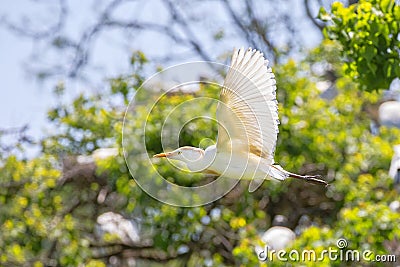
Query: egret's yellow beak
161	155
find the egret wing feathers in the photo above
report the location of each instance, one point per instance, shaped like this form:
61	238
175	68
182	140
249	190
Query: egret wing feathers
248	112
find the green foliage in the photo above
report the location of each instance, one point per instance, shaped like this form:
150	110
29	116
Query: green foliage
336	132
35	216
369	34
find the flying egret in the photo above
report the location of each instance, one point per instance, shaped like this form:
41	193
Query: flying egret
247	115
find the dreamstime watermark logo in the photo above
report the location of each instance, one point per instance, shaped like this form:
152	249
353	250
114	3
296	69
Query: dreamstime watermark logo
340	253
174	81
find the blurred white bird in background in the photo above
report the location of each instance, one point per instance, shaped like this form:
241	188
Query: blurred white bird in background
278	237
248	121
385	112
394	170
125	230
389	114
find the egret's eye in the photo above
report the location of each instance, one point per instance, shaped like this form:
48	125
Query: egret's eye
179	152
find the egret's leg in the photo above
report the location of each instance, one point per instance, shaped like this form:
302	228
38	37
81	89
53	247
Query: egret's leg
313	179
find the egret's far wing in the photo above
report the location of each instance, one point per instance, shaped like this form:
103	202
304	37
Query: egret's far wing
247	113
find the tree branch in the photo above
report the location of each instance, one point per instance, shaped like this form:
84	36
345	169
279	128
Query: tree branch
238	22
191	37
23	31
313	19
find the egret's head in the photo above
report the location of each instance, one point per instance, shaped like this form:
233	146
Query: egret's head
185	154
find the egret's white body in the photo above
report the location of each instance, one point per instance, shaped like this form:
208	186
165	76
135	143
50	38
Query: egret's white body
236	165
248	121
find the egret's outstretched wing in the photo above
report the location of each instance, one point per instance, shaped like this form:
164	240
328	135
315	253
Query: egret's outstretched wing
248	113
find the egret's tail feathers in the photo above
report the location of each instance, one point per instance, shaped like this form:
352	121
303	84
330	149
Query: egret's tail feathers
274	171
278	173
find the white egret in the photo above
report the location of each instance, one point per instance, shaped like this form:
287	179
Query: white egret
248	121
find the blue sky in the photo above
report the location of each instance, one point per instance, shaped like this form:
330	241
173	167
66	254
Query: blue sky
25	100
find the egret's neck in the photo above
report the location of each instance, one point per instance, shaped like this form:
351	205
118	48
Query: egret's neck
203	162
